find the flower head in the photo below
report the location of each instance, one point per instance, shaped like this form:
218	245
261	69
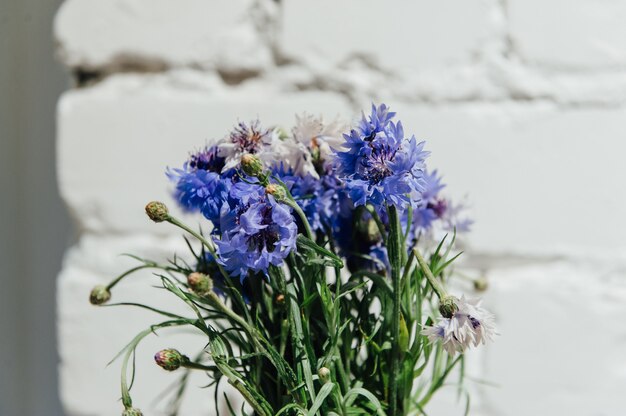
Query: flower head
200	185
381	166
256	232
436	214
469	325
319	138
245	138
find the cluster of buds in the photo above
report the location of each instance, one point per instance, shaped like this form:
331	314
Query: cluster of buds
252	166
132	411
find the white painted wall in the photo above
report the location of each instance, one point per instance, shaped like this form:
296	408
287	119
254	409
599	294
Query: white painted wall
521	103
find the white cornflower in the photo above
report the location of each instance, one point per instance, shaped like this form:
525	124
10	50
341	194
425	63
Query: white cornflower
441	332
470	325
244	139
317	137
287	153
473	323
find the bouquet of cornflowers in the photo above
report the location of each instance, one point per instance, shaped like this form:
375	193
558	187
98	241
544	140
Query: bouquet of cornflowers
315	288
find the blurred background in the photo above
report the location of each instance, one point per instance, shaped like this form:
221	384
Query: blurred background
522	103
34	226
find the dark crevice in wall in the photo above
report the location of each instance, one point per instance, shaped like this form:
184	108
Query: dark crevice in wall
238	77
86	75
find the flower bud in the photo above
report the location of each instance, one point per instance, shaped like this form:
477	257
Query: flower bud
481	284
251	165
157	211
448	306
200	283
131	411
99	295
324	375
277	191
170	359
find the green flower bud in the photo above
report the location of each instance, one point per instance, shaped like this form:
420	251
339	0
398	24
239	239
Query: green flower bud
99	295
131	411
157	211
481	284
448	306
200	283
170	359
277	191
324	375
251	165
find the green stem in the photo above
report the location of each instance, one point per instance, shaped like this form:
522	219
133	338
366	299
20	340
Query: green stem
377	220
210	246
395	258
307	227
135	269
196	366
436	284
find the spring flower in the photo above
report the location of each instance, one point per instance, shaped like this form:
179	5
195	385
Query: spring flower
256	233
200	186
381	166
436	214
469	325
319	138
286	153
245	138
440	332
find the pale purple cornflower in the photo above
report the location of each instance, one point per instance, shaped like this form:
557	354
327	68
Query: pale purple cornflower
469	325
256	231
246	138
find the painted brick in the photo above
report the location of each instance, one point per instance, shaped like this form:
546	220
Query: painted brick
127	33
561	34
116	139
540	179
403	36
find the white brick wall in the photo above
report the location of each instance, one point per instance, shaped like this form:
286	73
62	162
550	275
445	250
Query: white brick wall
520	101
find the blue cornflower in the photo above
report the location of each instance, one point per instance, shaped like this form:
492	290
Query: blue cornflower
256	233
200	186
432	207
322	199
436	211
381	166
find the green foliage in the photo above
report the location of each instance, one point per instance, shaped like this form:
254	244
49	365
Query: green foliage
363	327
